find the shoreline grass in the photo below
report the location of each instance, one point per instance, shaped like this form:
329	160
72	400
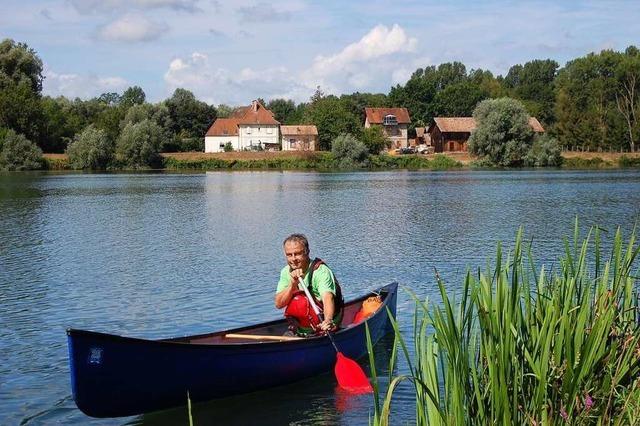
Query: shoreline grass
324	161
524	345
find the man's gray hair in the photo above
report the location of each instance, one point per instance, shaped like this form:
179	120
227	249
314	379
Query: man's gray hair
297	238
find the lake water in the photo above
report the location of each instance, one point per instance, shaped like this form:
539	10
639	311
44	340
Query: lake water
162	255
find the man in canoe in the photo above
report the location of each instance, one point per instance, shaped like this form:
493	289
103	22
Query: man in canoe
322	285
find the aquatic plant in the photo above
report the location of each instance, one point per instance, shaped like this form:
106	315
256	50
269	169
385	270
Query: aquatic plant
528	346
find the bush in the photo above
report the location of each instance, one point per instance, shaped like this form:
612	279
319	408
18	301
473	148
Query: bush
19	153
483	163
228	147
375	140
545	152
625	161
349	152
139	145
159	114
91	150
192	145
585	163
503	132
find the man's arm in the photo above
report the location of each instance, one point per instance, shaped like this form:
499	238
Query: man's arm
329	310
284	297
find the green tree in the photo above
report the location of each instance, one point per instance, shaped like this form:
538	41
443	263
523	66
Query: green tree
349	152
159	114
503	133
545	152
458	99
139	145
91	149
628	95
450	73
109	120
190	117
419	94
109	98
586	112
332	118
357	102
533	84
21	110
19	153
374	139
132	96
224	111
416	95
20	64
283	110
59	124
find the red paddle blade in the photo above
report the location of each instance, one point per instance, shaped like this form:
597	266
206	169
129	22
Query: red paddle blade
350	376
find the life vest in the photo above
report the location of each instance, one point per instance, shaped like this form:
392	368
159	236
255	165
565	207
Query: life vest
299	311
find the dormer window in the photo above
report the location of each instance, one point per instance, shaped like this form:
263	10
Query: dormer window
390	120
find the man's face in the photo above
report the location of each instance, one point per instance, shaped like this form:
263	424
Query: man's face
297	257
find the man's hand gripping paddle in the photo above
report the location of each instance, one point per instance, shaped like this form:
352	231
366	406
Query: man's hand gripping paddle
348	373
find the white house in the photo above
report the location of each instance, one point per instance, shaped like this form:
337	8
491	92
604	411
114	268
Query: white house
249	128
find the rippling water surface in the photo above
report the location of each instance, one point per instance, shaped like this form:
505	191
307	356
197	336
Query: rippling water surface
161	255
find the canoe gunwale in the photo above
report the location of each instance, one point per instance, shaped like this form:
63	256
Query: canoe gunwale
186	340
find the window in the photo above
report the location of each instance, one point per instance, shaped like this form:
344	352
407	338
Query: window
269	130
248	130
390	120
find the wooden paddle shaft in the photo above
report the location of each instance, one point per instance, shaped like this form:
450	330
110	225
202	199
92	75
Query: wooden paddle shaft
259	337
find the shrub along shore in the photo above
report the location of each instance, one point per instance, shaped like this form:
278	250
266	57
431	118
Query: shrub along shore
326	161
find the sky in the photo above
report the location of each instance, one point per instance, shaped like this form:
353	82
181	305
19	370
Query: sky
232	52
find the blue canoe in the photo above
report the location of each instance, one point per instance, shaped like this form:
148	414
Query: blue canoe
114	376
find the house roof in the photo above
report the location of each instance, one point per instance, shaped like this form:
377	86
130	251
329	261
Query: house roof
455	124
468	124
224	127
299	130
376	115
255	113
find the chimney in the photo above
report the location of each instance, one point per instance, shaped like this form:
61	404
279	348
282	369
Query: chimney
254	106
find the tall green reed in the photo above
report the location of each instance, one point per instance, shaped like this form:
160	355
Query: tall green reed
528	346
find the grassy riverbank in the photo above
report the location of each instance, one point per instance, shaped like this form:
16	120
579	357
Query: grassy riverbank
325	161
528	345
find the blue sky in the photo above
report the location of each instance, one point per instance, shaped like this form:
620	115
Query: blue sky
233	52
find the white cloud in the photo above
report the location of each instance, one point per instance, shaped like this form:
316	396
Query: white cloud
132	28
379	59
372	62
107	6
81	86
219	85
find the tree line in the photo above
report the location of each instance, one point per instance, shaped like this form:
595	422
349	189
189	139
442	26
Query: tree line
592	103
